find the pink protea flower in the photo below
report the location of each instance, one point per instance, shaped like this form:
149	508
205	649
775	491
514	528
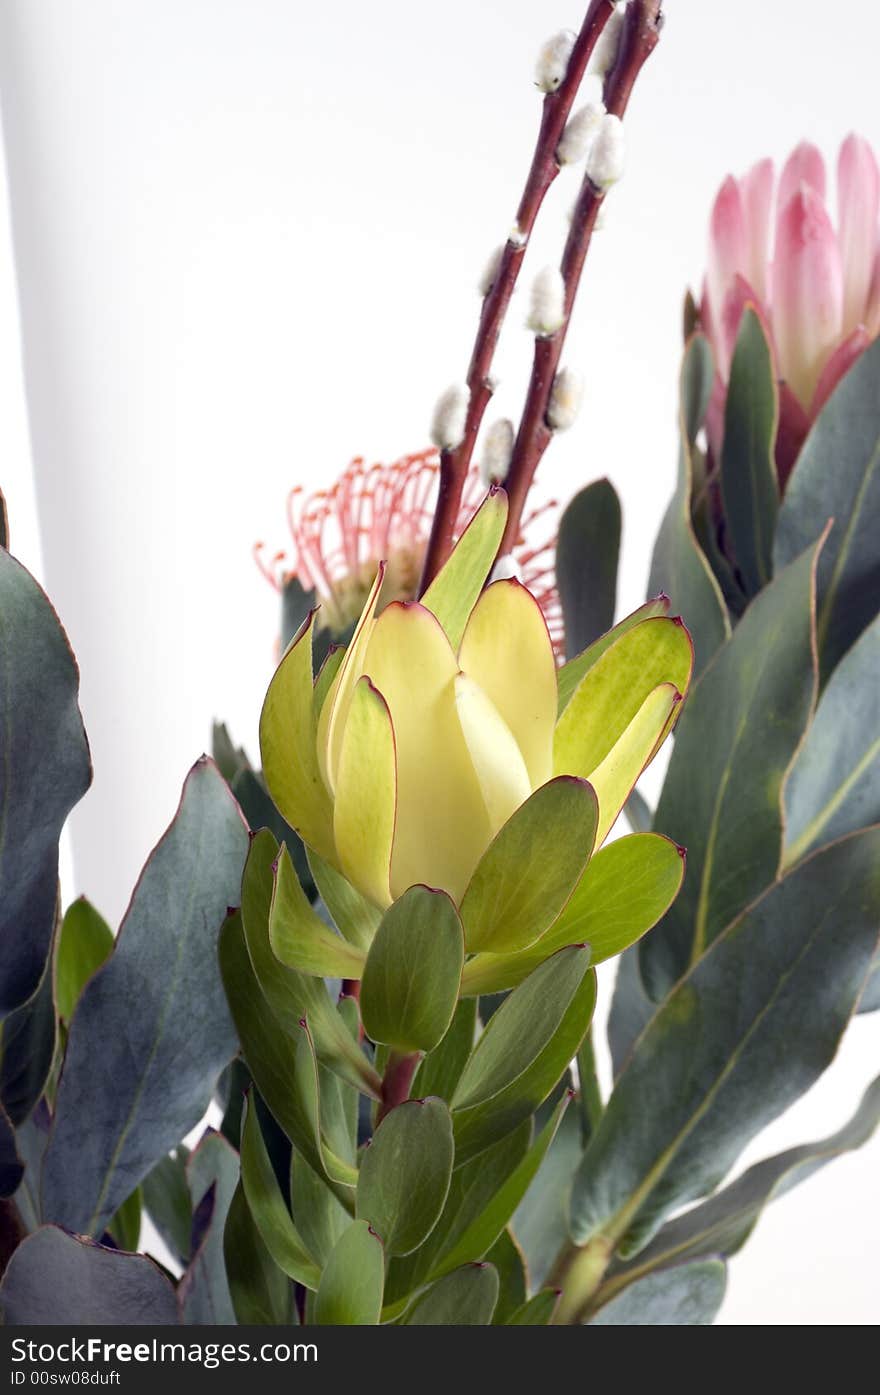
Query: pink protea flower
383	512
817	287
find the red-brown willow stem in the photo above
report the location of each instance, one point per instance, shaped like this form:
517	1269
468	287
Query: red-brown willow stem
454	464
641	30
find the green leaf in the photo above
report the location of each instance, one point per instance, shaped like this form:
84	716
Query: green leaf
540	1222
626	888
870	999
778	987
722	797
282	1062
473	1189
441	1069
85	942
455	589
587	551
506	1259
722	1225
318	1214
261	1294
125	1226
293	996
465	1298
134	1082
266	1205
475	1239
537	1312
298	936
168	1203
679	566
834	785
296	605
571	673
405	1174
523	1051
44	772
749	484
31	1138
350	1292
58	1279
688	1295
288	746
412	975
528	872
353	915
212	1175
837	475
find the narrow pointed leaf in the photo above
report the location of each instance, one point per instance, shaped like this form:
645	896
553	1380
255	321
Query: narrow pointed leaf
688	1295
204	1290
441	1068
537	1312
741	729
679	566
28	1038
85	941
365	807
837	475
587	552
298	936
261	1293
749	483
353	915
135	1082
834	785
456	587
267	1207
778	986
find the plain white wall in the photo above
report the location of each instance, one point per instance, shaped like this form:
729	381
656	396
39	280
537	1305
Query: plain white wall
247	234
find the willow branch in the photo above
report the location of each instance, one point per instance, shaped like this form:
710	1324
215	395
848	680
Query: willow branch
639	37
454	464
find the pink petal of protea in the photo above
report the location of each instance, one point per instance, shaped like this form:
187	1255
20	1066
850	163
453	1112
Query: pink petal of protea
840	362
858	201
803	166
757	195
807	292
738	297
872	309
728	247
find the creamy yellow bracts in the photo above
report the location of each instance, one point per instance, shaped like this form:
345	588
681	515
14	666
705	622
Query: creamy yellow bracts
416	745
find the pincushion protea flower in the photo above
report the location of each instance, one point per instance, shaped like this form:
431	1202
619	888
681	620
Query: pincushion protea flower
773	243
382	513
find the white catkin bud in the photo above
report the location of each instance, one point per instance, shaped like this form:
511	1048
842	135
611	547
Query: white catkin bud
490	272
578	135
506	569
517	237
450	416
497	450
604	54
552	63
607	157
547	310
565	399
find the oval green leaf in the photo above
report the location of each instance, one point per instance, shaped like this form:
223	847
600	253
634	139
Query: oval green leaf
350	1292
413	971
405	1173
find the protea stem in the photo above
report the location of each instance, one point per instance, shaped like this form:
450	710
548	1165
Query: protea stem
577	1273
639	37
454	464
397	1080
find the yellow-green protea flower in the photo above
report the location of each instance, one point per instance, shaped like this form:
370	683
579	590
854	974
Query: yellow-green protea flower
416	744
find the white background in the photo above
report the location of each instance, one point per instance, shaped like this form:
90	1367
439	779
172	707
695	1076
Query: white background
247	234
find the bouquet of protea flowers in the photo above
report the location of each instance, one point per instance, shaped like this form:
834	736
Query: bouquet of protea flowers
375	950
